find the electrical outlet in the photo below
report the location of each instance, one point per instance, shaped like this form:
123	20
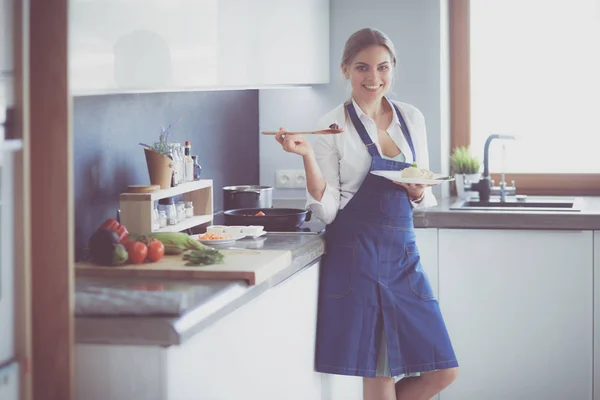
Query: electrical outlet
290	179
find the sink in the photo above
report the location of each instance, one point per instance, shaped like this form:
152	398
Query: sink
520	203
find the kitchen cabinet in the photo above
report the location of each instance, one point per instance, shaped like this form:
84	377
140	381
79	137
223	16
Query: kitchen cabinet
519	308
121	46
262	350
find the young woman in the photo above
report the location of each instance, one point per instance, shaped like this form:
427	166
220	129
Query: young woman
378	317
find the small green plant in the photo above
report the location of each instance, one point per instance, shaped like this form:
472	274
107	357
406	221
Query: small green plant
163	145
463	161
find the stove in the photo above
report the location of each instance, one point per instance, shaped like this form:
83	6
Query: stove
312	227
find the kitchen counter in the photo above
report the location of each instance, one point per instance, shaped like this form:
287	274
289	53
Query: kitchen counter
163	312
441	216
167	312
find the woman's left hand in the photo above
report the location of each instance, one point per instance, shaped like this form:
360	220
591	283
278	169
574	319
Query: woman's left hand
414	190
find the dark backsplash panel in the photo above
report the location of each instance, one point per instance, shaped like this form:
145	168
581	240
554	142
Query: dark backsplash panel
222	127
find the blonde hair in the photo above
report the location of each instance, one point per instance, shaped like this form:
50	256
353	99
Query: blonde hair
364	38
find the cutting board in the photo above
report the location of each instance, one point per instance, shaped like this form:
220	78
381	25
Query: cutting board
253	266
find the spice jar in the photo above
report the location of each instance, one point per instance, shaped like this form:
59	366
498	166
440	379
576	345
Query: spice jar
180	211
162	218
168	207
189	209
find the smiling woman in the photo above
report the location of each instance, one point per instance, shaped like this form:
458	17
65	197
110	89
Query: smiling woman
540	85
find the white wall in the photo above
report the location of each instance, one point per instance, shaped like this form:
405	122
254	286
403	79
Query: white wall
418	29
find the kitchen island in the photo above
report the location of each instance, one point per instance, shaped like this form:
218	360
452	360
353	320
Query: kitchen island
165	339
516	288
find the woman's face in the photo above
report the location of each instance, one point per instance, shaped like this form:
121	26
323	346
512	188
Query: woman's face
370	73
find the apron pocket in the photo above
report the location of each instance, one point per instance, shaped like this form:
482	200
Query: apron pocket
394	204
338	271
417	277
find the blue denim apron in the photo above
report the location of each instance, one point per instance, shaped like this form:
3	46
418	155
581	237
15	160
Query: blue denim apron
372	279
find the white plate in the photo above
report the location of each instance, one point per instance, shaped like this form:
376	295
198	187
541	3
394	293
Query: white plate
396	176
232	239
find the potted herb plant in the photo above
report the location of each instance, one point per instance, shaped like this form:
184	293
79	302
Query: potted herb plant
465	167
158	158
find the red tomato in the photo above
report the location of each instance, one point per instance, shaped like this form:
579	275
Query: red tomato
137	252
156	250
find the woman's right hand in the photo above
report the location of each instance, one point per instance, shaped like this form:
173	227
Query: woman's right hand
296	144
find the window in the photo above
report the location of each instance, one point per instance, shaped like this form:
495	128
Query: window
529	68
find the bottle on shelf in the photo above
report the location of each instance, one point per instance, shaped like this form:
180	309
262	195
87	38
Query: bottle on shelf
189	163
197	168
175	176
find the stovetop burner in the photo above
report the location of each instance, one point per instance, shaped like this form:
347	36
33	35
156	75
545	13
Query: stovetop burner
312	227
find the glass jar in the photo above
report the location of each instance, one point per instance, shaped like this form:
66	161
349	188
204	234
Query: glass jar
168	206
162	218
180	211
155	218
189	209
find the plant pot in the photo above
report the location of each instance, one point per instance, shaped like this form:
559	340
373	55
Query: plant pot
160	168
463	180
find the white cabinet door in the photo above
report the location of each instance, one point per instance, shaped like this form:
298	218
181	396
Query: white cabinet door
518	305
118	46
293	42
263	350
139	45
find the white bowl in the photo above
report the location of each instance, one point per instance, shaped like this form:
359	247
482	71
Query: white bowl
236	229
252	229
216	229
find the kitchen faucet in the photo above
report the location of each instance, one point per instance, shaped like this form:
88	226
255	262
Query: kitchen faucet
484	186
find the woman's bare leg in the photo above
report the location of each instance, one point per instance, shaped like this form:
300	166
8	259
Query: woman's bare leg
379	388
426	386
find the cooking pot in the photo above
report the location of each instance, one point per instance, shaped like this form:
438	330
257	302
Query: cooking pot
247	196
273	220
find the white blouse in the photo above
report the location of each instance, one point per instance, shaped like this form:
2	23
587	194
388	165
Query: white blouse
344	160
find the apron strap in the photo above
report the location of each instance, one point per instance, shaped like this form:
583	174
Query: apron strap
405	131
362	131
364	135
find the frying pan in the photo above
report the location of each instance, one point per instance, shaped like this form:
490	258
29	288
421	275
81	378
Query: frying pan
274	218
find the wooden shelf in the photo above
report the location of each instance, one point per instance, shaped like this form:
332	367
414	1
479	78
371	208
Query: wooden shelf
136	208
187	223
170	192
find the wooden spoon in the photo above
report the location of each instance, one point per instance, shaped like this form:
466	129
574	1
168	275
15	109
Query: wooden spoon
321	132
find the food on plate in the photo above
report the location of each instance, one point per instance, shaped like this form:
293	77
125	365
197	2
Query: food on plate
106	248
206	256
334	126
214	236
260	214
415	172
